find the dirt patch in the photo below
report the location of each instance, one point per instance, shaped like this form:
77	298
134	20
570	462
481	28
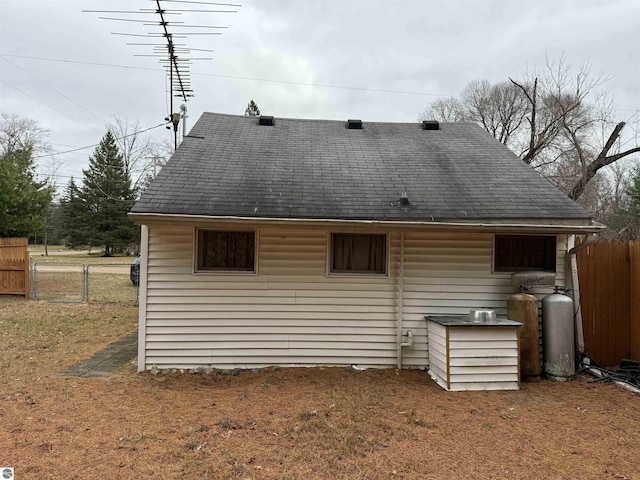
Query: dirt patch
297	423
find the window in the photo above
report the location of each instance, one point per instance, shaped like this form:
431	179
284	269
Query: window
358	253
225	251
524	252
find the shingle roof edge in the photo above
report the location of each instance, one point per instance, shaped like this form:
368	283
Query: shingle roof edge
143	218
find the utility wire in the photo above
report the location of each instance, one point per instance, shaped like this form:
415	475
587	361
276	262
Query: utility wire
235	77
96	144
56	91
47	105
306	84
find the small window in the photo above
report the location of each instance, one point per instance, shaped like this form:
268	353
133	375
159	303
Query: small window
358	253
225	251
525	252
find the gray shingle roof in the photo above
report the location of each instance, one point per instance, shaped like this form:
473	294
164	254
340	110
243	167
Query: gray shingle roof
317	169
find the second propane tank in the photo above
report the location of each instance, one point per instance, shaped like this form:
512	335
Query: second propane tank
523	308
558	337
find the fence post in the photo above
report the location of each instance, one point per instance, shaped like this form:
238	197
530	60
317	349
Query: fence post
86	283
27	274
34	280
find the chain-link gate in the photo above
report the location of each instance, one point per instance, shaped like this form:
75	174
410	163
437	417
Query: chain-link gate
77	282
59	281
111	282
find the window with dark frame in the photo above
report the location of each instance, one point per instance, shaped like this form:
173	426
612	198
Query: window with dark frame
524	252
358	253
225	251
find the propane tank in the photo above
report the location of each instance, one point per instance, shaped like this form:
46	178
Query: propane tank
523	308
558	341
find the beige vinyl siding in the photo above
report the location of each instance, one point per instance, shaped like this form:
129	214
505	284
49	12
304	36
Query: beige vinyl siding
289	313
451	273
438	354
292	313
473	358
484	358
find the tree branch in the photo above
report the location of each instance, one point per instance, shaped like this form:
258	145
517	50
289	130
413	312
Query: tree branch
602	160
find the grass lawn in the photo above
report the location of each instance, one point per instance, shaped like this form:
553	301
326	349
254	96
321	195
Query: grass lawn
60	253
318	423
59	276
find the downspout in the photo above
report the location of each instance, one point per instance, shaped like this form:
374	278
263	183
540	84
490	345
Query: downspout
400	302
142	298
572	250
399	322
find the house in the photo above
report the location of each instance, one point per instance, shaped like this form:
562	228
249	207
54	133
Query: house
310	242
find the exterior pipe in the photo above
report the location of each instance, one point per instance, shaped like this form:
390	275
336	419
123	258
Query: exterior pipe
183	110
409	341
400	302
575	292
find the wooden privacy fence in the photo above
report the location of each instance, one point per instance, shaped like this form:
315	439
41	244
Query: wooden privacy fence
609	276
14	266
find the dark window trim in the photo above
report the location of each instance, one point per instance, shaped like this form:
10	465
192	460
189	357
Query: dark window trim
551	262
343	273
214	271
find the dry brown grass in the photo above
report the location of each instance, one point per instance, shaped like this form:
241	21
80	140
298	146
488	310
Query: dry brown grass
286	423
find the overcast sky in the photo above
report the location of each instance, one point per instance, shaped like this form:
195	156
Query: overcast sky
326	59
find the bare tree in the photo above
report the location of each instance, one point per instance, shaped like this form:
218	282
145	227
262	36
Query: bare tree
499	108
558	121
160	154
141	155
607	156
24	134
17	133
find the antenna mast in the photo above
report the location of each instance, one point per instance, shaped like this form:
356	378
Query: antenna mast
175	57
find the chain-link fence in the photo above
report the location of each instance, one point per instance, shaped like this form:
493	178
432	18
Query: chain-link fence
58	281
77	282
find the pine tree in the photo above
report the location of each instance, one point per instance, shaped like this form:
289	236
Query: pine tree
634	196
626	221
105	199
252	109
23	199
73	217
53	227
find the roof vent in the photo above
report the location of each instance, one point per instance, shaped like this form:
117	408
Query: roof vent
430	125
404	200
266	120
354	124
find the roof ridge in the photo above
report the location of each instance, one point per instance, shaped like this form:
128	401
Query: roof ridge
297	119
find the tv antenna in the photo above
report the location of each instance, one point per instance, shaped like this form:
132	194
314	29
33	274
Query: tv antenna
176	58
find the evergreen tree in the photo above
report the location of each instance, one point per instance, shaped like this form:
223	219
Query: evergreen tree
626	221
634	196
104	200
252	109
23	200
53	228
73	217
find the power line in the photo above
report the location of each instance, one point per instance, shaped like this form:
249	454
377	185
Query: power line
47	105
56	91
235	77
255	79
96	144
